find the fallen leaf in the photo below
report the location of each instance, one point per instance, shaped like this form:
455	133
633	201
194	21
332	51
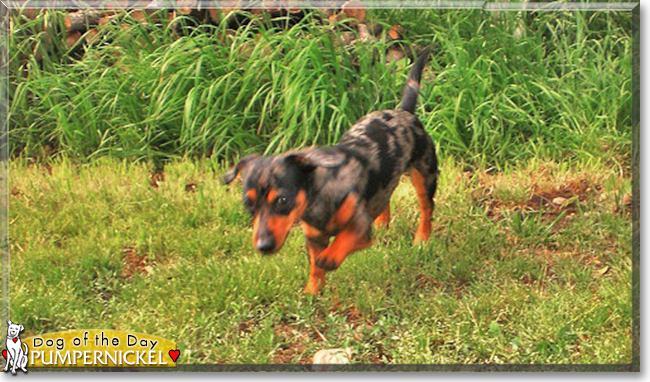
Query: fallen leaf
602	271
627	200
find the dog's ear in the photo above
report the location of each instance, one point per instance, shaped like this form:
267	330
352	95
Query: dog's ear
229	176
309	160
21	328
9	322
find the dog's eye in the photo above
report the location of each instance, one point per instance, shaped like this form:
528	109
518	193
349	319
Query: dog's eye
248	203
282	201
282	205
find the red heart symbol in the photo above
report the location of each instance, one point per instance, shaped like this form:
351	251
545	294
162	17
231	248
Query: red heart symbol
15	339
4	353
174	354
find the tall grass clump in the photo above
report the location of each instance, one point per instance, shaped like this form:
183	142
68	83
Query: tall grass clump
499	87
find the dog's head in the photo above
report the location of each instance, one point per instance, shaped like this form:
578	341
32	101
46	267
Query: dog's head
13	330
275	193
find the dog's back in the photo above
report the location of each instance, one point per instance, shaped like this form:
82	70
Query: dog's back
385	144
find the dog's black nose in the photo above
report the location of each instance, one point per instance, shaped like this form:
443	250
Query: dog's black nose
266	246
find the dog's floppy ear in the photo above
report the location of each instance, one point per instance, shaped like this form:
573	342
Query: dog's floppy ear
309	159
236	169
21	328
9	322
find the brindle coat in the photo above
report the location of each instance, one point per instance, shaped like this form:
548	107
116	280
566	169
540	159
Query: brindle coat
339	191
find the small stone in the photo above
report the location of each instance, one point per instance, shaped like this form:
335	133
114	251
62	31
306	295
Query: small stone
559	201
333	356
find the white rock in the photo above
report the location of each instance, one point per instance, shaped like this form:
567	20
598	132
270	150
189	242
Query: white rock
333	356
559	201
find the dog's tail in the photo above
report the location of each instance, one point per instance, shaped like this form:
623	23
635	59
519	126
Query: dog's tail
412	88
26	348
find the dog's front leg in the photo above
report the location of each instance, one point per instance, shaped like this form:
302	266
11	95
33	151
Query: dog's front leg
354	227
316	243
352	238
13	356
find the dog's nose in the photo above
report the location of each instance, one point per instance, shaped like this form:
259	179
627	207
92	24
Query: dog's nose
266	245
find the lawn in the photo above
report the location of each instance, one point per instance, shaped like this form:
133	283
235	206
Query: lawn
510	274
118	220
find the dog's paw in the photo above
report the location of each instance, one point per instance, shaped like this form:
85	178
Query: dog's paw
420	239
311	289
327	263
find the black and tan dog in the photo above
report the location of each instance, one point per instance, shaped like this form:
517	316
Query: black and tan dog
339	191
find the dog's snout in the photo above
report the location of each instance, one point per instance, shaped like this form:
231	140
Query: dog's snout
266	245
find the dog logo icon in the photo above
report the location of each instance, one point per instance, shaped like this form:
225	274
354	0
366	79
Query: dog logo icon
14	352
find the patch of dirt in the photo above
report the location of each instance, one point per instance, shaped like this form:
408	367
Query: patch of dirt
353	316
423	281
103	293
548	276
544	195
295	339
598	262
459	288
380	356
156	175
246	327
560	196
292	346
134	263
47	168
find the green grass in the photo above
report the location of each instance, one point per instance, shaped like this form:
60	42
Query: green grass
499	88
531	284
523	108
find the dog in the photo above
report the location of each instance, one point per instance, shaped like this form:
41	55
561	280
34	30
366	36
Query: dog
339	191
15	354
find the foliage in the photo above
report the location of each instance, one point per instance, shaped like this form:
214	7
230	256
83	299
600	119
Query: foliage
500	87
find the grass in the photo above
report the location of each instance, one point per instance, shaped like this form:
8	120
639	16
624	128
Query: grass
507	278
499	88
530	260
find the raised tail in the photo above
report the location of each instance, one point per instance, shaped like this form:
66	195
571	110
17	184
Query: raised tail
412	88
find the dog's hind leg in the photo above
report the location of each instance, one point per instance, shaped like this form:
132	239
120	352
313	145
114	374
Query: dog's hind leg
425	183
383	220
24	354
